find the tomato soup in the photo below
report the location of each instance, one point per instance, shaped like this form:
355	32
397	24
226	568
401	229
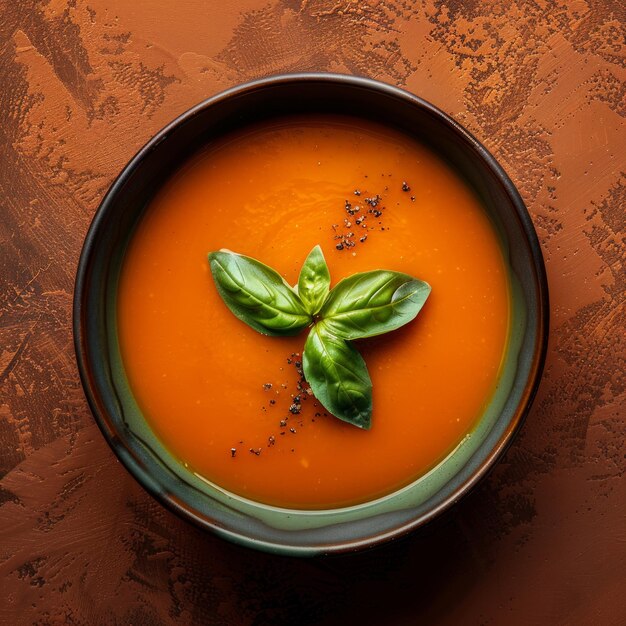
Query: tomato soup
221	396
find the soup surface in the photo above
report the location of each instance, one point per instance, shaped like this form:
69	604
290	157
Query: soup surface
218	394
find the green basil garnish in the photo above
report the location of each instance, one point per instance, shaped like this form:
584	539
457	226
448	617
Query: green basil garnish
258	295
373	303
338	376
314	281
360	306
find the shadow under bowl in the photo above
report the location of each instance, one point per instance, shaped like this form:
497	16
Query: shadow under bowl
254	524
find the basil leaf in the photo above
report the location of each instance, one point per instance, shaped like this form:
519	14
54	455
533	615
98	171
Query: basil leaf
372	303
338	376
258	295
314	281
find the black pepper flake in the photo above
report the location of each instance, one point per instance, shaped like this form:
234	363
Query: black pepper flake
294	409
405	186
357	192
292	430
283	423
373	201
298	364
351	210
339	246
267	386
412	198
363	239
272	402
256	452
271	440
233	452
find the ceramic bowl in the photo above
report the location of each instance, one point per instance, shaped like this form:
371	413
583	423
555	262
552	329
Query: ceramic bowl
253	524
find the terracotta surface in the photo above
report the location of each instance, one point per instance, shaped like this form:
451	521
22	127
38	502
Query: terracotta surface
84	83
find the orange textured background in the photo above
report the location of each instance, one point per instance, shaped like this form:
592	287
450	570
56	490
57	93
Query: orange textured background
84	83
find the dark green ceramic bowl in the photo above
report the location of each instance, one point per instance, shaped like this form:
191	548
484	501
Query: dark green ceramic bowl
254	524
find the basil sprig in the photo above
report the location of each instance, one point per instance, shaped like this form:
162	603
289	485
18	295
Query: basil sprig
363	305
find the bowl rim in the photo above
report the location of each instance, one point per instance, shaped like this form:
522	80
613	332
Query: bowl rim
531	386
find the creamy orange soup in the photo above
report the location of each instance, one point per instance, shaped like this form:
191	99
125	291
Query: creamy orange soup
218	394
